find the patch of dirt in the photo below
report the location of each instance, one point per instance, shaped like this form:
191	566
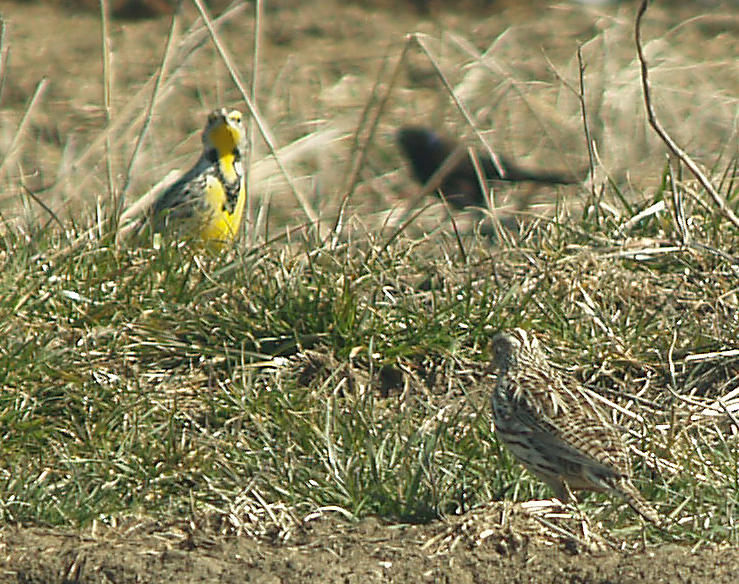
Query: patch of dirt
331	551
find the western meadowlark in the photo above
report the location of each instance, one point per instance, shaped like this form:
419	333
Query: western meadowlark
553	427
207	202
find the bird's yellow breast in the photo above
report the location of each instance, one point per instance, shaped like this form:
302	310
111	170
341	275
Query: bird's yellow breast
221	225
225	139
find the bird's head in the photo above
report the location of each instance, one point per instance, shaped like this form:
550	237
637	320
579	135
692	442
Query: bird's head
424	148
224	133
512	346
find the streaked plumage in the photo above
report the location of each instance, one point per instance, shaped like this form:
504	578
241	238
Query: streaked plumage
207	202
554	428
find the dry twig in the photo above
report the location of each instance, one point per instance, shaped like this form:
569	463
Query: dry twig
662	133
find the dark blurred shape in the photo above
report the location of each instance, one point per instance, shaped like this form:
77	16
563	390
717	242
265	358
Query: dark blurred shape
125	9
427	150
133	9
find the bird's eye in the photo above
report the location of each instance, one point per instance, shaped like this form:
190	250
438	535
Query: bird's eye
235	116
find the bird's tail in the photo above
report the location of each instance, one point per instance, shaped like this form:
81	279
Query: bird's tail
635	500
515	173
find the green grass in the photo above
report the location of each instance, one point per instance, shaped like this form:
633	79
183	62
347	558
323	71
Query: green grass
260	386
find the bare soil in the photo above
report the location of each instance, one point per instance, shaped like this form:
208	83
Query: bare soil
332	551
45	39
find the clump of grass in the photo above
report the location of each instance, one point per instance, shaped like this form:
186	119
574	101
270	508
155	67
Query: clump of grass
163	382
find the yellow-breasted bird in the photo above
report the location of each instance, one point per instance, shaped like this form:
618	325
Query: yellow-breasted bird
207	202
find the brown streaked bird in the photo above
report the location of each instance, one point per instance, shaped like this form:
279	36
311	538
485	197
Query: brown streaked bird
427	150
554	428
